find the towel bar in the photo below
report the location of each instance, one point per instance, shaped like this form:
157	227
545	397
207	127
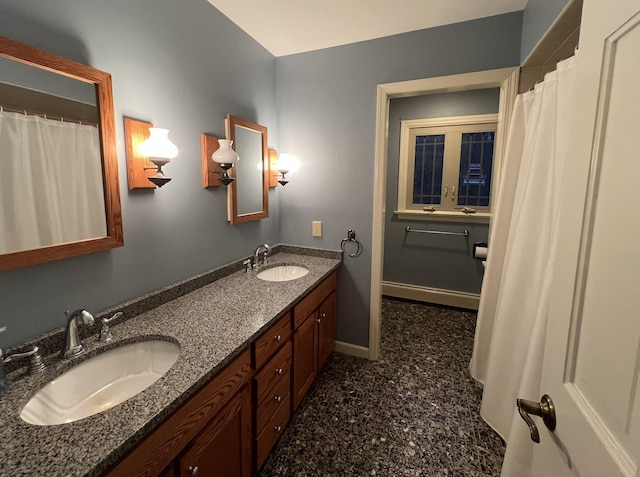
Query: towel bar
437	232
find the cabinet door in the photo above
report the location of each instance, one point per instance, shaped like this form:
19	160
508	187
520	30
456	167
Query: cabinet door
168	472
305	358
326	328
224	445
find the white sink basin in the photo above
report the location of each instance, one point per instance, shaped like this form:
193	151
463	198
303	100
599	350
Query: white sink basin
101	382
282	273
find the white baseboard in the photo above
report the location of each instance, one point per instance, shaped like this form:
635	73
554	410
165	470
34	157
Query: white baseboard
438	296
351	349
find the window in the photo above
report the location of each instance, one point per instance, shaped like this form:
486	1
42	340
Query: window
446	166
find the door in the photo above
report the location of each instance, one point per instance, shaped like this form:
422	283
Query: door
592	354
305	358
326	328
223	447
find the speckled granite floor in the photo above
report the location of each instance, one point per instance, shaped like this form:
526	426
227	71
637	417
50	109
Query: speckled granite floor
415	412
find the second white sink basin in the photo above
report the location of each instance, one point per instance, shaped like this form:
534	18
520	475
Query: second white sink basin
101	382
282	273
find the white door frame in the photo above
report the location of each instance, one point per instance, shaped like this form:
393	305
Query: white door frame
506	79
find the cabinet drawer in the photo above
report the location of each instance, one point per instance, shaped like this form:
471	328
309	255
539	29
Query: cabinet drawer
313	299
271	340
274	428
271	400
277	369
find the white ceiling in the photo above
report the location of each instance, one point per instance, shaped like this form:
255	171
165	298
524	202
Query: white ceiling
285	27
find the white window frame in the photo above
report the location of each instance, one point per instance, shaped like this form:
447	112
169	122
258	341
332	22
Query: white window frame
452	127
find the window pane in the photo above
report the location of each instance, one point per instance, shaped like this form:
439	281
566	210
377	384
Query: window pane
427	172
476	158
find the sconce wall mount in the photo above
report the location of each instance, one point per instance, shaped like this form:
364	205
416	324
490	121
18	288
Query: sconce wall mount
217	159
148	149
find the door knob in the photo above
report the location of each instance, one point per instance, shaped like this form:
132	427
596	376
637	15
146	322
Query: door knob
545	409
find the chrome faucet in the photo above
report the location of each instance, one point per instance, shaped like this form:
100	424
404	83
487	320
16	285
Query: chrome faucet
36	365
266	249
72	344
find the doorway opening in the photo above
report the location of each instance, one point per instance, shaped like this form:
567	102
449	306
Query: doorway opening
506	79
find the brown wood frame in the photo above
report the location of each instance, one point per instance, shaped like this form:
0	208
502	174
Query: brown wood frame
273	171
234	218
210	170
32	56
139	167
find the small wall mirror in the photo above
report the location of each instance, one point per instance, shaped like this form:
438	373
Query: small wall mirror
59	191
249	193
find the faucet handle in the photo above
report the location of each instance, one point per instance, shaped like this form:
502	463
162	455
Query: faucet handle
36	364
248	265
2	328
105	333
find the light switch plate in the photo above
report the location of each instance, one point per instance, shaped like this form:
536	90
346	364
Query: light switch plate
316	228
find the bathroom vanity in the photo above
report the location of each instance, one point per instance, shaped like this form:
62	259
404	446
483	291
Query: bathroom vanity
249	351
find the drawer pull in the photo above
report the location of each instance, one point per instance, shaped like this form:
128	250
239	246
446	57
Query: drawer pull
278	429
278	398
279	371
277	338
193	471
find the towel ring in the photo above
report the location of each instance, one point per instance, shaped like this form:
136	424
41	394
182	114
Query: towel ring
351	238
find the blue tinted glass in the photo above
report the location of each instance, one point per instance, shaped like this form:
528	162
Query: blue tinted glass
428	164
476	158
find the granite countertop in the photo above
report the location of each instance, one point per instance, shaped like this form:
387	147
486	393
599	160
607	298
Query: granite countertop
212	325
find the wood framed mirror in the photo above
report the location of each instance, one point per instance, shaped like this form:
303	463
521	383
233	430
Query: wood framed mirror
49	93
248	197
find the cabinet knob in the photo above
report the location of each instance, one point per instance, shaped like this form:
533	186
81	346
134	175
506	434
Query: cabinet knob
278	398
278	338
323	315
279	371
277	429
318	320
193	470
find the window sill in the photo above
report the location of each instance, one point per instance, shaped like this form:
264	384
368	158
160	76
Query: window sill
477	217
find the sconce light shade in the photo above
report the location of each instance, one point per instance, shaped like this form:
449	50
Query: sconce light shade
224	154
160	150
226	157
286	163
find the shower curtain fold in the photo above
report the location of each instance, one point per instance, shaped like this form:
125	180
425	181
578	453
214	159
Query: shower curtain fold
512	316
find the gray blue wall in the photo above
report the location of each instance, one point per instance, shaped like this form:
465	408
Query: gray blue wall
537	17
434	261
182	66
327	117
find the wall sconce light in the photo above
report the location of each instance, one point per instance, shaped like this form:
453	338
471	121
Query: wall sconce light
284	164
148	149
225	157
217	158
160	150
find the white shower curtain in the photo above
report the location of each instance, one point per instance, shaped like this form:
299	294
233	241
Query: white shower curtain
51	186
512	316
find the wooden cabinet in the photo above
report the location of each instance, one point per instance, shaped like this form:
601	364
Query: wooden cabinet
314	337
226	401
229	427
305	356
326	328
272	386
223	447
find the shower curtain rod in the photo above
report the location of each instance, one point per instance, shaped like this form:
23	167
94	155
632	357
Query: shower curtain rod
26	112
437	232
